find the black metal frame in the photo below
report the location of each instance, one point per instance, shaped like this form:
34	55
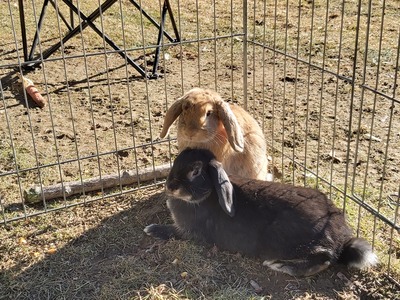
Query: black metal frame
88	21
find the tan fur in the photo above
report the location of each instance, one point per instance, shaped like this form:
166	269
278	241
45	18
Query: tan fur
229	132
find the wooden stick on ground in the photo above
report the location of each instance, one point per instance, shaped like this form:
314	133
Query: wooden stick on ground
37	193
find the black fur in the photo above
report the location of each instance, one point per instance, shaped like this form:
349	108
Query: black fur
296	230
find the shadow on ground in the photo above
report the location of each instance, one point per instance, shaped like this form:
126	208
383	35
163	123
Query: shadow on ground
116	260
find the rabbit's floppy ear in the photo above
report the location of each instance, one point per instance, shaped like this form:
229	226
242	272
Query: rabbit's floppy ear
223	186
233	130
172	113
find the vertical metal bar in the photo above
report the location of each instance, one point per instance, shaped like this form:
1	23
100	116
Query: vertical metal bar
231	30
396	214
165	87
373	116
360	115
128	88
172	19
198	42
285	59
274	81
71	17
337	92
15	156
51	117
23	28
147	97
38	28
159	40
388	137
72	116
308	91
245	66
321	96
87	79
180	48
294	137
215	45
106	64
263	127
33	136
353	86
253	89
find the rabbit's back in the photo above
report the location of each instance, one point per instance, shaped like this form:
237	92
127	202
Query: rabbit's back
291	221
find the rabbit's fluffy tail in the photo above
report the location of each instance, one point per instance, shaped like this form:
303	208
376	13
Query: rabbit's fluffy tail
357	253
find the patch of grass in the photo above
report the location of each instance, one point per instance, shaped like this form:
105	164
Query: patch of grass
159	292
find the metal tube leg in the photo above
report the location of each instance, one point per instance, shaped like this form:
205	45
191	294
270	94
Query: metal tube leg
36	38
159	39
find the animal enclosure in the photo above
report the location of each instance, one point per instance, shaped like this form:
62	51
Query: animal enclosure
320	77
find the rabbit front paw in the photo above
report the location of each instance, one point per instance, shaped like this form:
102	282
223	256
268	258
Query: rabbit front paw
164	232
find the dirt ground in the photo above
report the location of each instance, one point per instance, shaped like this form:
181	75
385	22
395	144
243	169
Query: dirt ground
103	117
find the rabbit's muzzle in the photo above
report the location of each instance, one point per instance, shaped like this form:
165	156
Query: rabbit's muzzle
175	190
171	185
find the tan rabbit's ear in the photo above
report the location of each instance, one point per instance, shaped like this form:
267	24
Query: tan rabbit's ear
172	113
233	130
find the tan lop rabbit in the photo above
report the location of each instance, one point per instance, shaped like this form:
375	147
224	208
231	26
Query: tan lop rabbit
206	121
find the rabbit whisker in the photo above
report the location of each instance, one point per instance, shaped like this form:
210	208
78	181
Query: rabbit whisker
199	197
218	139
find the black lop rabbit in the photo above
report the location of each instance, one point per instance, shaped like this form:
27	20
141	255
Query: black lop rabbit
295	230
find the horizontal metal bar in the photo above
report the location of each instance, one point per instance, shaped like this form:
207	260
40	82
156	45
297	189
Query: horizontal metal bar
141	48
36	168
314	66
69	205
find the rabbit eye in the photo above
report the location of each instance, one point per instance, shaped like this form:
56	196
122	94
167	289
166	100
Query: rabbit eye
196	171
208	113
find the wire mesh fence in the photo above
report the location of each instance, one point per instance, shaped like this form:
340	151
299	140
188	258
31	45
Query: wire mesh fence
321	77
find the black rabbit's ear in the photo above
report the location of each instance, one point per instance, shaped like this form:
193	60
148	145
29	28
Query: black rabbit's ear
223	186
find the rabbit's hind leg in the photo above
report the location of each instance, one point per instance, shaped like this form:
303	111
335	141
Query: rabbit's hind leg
300	267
